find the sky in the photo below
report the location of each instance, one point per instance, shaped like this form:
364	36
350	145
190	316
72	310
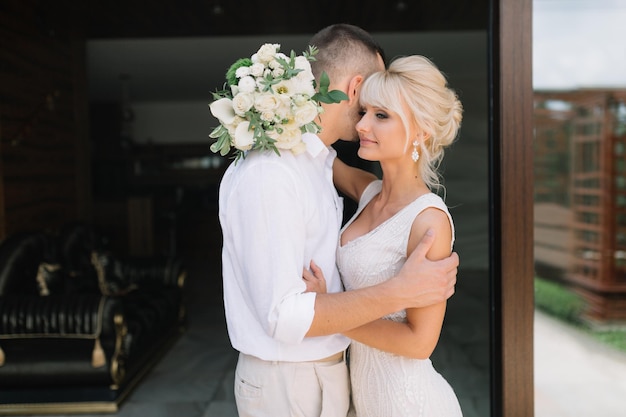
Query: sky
579	44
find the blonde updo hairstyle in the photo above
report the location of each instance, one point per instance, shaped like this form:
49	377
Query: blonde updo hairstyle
414	85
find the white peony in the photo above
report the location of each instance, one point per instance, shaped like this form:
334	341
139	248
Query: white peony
242	72
302	86
246	84
303	64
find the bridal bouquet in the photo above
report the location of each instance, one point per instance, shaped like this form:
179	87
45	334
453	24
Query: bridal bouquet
268	101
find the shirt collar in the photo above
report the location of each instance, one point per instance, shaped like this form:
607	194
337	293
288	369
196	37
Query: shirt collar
314	145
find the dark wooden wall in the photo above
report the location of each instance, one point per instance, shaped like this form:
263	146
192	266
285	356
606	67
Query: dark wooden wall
43	146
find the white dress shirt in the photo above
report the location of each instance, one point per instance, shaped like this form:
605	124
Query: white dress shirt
278	213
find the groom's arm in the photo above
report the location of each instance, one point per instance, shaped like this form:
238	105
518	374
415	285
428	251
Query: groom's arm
419	283
350	180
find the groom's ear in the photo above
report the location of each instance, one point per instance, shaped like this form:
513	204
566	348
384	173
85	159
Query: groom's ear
354	87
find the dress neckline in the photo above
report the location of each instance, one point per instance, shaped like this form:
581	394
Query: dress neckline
370	232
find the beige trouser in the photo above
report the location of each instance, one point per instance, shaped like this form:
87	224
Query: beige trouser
292	389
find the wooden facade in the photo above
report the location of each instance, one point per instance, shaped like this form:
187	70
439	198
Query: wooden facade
580	195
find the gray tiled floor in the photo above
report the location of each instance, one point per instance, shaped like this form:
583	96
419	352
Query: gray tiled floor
196	378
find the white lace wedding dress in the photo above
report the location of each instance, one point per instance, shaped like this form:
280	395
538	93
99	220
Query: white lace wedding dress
385	384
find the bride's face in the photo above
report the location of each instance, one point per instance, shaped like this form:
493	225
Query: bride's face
382	135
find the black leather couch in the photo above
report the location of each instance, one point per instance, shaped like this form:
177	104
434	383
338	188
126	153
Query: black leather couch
79	326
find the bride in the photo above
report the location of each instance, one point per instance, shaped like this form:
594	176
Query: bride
409	115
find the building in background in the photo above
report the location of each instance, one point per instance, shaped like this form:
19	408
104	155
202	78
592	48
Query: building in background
580	196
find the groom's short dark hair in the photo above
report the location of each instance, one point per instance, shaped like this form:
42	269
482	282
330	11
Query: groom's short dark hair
342	44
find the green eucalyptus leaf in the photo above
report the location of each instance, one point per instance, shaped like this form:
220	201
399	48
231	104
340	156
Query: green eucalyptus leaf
337	95
324	83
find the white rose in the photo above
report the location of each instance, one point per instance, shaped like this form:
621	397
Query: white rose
223	110
267	115
278	72
266	101
257	69
274	64
305	113
242	103
289	138
243	138
242	72
267	52
246	85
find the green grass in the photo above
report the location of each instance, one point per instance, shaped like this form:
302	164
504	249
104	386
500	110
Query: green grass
615	338
562	303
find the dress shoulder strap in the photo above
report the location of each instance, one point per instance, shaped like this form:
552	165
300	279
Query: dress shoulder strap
372	189
430	200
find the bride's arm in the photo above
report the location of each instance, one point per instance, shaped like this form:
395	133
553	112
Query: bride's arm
418	337
351	180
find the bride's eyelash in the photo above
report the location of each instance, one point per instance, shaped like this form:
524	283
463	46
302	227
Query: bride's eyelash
378	114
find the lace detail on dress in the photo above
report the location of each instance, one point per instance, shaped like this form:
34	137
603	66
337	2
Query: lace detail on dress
385	384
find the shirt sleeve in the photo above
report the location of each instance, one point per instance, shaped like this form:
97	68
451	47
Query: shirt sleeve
268	227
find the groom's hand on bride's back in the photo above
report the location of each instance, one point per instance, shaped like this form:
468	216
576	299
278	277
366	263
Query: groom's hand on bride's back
428	282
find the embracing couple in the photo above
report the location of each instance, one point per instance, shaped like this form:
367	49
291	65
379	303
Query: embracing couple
328	320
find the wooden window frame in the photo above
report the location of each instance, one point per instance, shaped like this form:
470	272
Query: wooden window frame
511	207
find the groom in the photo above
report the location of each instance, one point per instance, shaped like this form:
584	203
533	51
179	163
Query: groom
277	213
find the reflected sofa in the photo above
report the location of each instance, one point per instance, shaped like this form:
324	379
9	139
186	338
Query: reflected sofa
80	326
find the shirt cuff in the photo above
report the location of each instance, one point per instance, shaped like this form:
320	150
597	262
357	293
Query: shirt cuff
294	318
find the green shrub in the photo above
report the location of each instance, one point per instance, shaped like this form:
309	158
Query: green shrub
558	301
615	338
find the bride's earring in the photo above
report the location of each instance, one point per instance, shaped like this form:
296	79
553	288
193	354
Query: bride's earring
415	155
